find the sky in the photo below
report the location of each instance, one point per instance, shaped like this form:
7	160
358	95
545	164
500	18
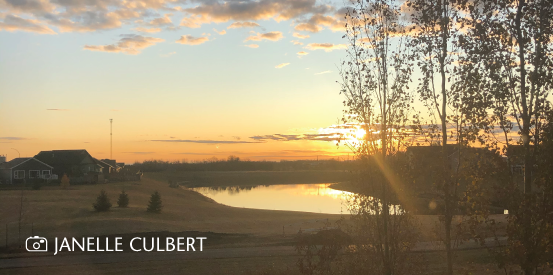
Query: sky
181	79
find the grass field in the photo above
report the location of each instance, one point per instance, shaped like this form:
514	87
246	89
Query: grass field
58	212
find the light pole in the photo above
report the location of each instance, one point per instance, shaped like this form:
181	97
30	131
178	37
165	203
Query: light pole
17	151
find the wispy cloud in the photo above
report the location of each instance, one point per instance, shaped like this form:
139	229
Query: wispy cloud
13	138
147	30
302	53
129	44
325	46
15	23
272	36
296	42
253	46
300	36
282	65
205	141
191	40
237	25
325	72
168	54
223	32
283	137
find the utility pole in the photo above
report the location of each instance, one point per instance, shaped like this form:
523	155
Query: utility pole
110	138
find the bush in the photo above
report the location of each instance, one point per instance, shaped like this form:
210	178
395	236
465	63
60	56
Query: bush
155	205
36	183
102	202
123	200
173	184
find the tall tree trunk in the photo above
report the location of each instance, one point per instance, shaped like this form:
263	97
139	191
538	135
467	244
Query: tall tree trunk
445	159
384	136
525	133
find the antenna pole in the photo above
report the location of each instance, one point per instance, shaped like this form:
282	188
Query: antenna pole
110	138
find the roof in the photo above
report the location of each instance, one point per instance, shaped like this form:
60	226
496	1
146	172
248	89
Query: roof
18	161
102	163
63	157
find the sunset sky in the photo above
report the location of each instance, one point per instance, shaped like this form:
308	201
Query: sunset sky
184	79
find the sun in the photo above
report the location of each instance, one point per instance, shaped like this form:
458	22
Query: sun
359	134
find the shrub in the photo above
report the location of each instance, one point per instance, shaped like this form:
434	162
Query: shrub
64	183
36	184
102	202
173	184
123	200
155	205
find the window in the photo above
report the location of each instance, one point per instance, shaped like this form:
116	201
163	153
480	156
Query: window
45	174
19	174
33	174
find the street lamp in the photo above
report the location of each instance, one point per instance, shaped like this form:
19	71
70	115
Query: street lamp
17	151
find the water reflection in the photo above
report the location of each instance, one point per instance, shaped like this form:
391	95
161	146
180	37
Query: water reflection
318	198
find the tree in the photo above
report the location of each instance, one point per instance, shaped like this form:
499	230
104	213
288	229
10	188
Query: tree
375	82
64	183
155	205
102	202
507	69
123	200
434	35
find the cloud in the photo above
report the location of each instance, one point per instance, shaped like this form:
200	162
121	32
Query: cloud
282	137
282	65
307	27
296	42
237	25
325	46
191	40
317	22
223	32
12	138
147	30
168	54
214	11
86	21
129	44
300	36
57	109
205	141
253	46
273	36
15	23
302	53
325	72
162	21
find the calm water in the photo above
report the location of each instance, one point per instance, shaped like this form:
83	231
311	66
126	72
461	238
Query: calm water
317	198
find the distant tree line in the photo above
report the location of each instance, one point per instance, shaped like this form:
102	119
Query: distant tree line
233	163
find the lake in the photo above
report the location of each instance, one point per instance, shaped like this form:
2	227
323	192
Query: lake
316	198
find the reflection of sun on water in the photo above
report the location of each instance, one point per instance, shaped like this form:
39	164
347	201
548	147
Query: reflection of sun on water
320	190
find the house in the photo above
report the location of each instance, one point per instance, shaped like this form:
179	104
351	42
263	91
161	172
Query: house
112	163
20	170
78	165
107	168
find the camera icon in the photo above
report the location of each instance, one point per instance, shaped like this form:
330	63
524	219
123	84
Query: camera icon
36	244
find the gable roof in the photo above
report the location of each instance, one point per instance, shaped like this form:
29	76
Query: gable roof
63	157
102	163
18	161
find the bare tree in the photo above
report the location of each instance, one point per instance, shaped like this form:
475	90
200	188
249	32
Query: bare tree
434	38
375	79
